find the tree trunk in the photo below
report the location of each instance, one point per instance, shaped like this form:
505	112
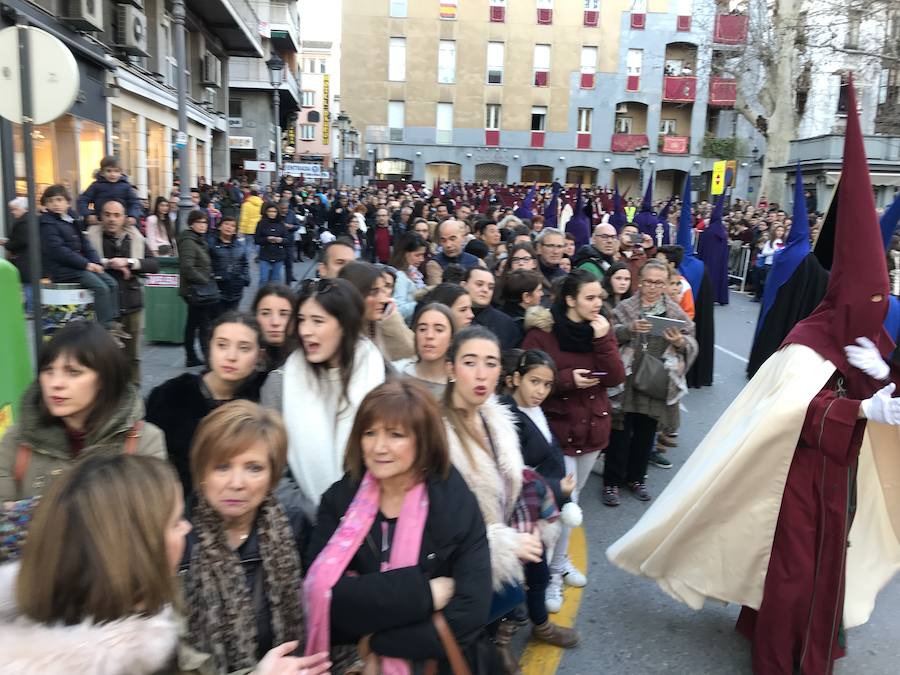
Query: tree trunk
783	119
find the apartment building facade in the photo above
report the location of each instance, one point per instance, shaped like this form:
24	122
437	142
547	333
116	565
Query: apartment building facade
128	101
538	90
251	106
315	131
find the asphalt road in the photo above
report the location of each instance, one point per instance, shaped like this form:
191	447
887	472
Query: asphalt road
629	625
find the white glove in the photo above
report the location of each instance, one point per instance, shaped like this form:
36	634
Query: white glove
882	407
867	358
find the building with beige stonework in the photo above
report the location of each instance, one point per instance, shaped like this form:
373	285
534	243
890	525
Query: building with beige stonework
536	90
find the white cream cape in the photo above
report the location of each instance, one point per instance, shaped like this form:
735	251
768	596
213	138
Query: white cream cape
710	533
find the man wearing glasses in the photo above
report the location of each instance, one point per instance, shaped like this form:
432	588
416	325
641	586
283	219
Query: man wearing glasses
550	246
597	256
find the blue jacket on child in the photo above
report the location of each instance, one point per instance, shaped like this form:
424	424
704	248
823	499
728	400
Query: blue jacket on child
65	249
101	190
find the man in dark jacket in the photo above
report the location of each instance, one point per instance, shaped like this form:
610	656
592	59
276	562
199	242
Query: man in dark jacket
271	237
479	283
125	257
111	183
68	257
597	256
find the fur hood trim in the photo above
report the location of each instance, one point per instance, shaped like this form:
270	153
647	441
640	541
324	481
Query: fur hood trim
136	645
490	481
539	317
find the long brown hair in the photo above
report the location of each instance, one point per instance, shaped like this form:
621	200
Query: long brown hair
96	548
408	405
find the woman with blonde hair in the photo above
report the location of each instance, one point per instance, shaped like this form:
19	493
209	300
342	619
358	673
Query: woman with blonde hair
242	566
96	586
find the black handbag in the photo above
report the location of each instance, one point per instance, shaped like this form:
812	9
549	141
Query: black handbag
204	294
650	377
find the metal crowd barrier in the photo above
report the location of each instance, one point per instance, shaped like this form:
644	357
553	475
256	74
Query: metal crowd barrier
740	267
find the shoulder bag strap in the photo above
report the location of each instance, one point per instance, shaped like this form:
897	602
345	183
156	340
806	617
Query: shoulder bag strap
23	459
132	437
458	663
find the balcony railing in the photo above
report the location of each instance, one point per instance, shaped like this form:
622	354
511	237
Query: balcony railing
680	89
674	145
628	142
281	16
722	92
247	73
731	29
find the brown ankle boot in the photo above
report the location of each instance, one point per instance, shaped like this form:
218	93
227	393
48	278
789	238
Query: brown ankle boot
556	635
505	632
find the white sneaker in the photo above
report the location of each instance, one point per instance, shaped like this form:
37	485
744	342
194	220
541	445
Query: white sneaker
553	598
573	576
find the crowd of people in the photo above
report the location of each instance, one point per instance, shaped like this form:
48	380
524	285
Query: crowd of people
447	379
376	469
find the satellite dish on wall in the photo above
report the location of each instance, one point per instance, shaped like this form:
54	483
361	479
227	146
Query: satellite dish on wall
54	76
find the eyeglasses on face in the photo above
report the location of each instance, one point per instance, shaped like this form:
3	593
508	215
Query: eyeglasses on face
522	258
318	286
653	284
605	236
556	246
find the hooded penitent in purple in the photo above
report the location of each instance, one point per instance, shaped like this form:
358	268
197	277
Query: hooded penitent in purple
579	224
524	211
618	219
551	213
645	219
714	253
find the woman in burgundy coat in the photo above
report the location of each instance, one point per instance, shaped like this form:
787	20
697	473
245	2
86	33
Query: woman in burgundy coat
578	338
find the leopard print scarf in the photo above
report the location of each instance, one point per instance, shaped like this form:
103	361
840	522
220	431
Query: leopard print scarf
222	622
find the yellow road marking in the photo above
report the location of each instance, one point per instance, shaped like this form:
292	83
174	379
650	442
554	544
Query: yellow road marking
539	657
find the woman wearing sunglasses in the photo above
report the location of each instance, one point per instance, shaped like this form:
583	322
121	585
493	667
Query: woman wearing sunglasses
320	386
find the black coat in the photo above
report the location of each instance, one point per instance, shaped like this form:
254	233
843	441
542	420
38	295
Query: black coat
500	324
271	228
230	268
545	458
65	249
178	405
395	606
17	247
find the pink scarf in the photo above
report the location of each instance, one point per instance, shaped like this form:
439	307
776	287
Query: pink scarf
331	563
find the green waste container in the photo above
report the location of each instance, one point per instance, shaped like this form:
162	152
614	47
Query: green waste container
15	364
165	312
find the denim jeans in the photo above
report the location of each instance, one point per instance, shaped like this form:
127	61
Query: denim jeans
270	271
106	294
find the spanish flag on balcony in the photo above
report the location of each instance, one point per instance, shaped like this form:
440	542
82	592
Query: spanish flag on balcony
448	9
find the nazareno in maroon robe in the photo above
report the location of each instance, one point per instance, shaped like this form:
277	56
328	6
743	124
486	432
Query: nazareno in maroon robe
798	623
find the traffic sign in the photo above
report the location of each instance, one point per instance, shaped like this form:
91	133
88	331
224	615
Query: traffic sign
54	76
254	165
718	178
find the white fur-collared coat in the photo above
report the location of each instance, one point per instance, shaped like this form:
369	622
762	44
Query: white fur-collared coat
496	485
135	645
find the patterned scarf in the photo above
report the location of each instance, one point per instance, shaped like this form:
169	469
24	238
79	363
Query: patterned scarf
415	276
331	563
222	621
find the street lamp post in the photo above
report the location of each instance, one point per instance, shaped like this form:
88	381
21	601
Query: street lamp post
276	77
640	156
184	189
343	123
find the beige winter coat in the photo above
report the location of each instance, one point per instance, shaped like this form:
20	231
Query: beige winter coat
496	485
